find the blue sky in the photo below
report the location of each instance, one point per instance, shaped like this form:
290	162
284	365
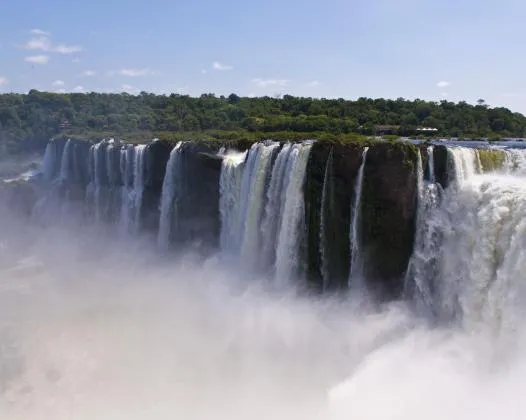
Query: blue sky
430	49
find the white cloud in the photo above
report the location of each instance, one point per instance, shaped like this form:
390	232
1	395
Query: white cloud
78	88
270	82
221	67
128	89
3	81
67	49
41	43
313	83
37	59
132	72
443	84
204	71
60	90
88	73
37	31
251	95
58	83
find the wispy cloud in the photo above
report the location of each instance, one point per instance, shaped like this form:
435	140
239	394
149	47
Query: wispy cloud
41	43
78	88
132	72
203	71
37	31
313	83
88	73
443	84
221	67
37	59
129	89
270	82
58	83
67	49
3	81
76	60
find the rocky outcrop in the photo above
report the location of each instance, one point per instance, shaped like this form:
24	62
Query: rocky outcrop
341	170
388	213
198	214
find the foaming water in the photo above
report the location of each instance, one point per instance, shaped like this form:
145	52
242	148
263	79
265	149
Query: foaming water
88	333
96	327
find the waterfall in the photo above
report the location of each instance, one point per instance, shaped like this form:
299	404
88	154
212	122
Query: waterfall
138	185
171	189
229	203
65	164
273	207
431	163
48	163
467	262
259	165
426	247
323	213
355	273
292	216
127	198
515	160
465	163
97	181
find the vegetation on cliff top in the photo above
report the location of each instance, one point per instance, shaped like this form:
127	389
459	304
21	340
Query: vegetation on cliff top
27	121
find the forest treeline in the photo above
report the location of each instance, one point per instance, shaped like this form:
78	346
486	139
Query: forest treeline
28	121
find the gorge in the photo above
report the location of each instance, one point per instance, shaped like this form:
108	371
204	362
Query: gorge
322	216
293	280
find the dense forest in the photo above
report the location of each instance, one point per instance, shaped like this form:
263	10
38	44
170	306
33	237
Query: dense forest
27	121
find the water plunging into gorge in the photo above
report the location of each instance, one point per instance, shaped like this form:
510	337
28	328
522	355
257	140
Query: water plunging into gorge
228	295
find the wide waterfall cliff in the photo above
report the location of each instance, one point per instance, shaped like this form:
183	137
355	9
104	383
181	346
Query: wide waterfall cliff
297	280
391	219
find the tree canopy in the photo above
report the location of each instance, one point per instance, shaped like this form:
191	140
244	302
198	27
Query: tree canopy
28	121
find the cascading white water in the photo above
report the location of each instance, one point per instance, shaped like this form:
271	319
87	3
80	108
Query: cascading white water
292	218
138	185
470	250
515	160
110	171
273	207
323	210
229	202
172	183
127	197
98	157
465	162
421	272
431	163
65	166
355	272
254	200
48	163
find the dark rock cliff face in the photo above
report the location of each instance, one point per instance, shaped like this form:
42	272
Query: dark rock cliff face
157	155
388	213
199	220
441	161
341	169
